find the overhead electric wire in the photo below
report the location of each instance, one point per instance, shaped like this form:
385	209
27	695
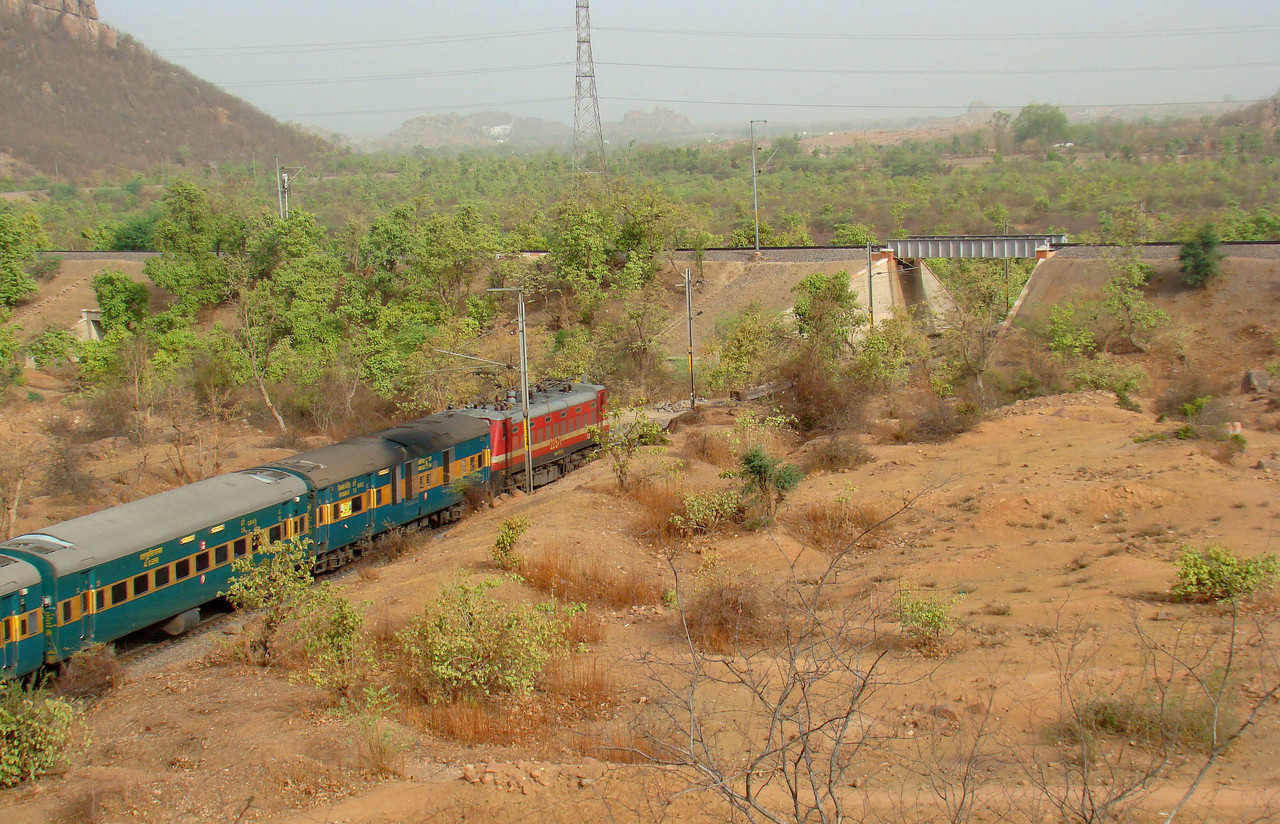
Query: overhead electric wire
909	107
899	70
1201	31
427	109
354	45
321	81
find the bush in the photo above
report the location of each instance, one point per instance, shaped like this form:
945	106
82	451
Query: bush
705	511
767	480
628	432
926	620
1201	257
1104	373
1216	574
835	526
504	546
273	581
725	615
469	644
52	347
330	630
835	453
92	672
37	733
574	578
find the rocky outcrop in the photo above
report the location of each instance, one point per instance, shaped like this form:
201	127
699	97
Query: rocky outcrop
77	18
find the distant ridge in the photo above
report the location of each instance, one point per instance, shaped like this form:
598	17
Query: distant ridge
78	97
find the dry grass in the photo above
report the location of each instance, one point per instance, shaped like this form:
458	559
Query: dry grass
586	682
382	632
90	673
724	617
835	526
833	454
658	501
572	578
619	746
708	447
586	627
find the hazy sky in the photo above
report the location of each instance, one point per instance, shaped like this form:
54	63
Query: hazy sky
906	53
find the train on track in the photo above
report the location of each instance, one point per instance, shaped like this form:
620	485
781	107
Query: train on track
155	561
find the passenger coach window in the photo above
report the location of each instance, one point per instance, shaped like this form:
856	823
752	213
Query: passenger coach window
100	600
141	584
220	555
119	593
4	629
162	577
337	512
202	562
182	569
273	534
357	504
66	611
241	547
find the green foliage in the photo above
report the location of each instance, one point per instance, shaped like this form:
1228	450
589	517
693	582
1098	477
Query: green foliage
510	531
1040	121
705	511
52	347
10	369
468	643
274	581
1201	257
767	480
123	302
1066	334
628	431
135	234
1124	304
827	311
1215	573
21	236
853	234
38	733
330	630
746	346
1192	408
926	620
1112	376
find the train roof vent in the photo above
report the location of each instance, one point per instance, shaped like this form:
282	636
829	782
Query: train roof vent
41	544
267	476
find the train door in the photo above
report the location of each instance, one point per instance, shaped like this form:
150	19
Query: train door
84	599
397	478
447	463
8	651
411	483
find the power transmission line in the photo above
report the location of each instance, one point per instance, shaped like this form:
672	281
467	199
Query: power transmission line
355	45
363	78
428	109
588	134
924	107
895	70
920	36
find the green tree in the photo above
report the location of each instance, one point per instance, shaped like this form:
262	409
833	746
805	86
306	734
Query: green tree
1125	305
122	302
272	581
21	236
827	312
1201	257
629	431
1040	121
853	234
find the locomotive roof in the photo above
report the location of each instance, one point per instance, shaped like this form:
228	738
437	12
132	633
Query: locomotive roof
327	465
16	575
435	433
82	542
541	402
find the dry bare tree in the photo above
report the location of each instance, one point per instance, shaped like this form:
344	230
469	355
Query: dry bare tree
774	728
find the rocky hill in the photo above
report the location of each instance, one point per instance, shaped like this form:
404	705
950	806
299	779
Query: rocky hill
79	97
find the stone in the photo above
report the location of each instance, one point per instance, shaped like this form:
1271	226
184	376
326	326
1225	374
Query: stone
1270	465
1256	380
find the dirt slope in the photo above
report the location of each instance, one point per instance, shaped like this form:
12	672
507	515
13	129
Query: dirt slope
1048	516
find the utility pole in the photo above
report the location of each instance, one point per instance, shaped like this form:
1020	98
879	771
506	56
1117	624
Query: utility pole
524	386
588	136
755	192
1006	286
279	189
871	303
688	311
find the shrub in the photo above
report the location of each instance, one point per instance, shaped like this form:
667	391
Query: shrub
835	453
708	447
1201	257
52	347
767	479
705	511
469	644
659	502
1104	373
38	733
330	630
926	620
723	616
504	546
932	419
1216	574
91	673
272	580
628	432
